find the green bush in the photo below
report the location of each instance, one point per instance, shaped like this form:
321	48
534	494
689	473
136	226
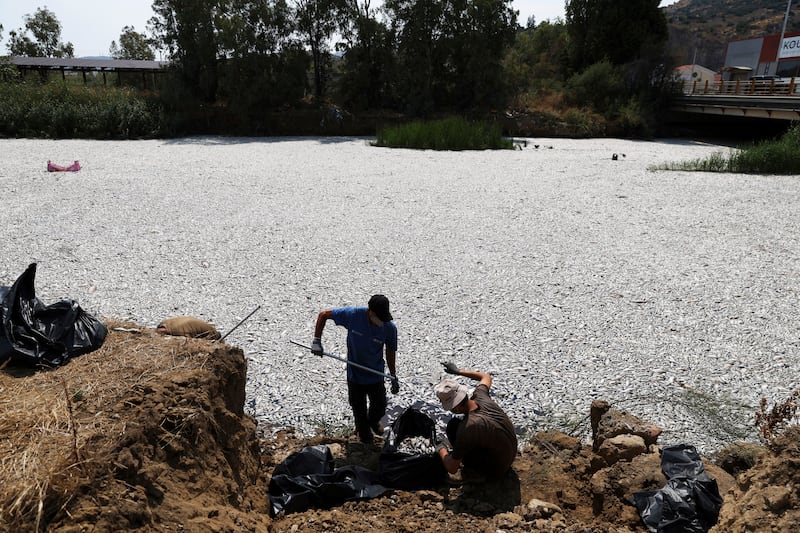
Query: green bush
634	118
58	111
779	156
600	87
453	133
585	123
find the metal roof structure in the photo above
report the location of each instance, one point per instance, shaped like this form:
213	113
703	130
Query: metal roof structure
77	63
147	69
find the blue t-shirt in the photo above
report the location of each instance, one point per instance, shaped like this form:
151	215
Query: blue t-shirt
365	343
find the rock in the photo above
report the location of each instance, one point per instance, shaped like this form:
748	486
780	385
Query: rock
597	463
558	440
596	411
536	509
507	520
621	448
777	498
608	423
599	487
429	496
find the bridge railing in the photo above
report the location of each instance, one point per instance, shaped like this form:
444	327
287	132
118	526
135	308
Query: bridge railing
770	87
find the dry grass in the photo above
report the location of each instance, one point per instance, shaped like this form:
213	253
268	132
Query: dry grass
49	418
773	422
549	102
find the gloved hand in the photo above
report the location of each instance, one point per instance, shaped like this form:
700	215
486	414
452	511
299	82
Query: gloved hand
316	346
451	368
442	442
395	385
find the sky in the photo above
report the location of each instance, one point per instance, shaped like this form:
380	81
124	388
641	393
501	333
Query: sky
91	25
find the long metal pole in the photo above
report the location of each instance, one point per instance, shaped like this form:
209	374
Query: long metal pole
783	33
239	324
351	363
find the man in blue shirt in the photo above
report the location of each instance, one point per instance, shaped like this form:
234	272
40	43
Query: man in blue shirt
369	329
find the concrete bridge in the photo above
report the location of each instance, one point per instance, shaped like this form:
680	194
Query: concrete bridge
776	99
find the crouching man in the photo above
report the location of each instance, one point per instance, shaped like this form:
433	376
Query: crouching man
484	441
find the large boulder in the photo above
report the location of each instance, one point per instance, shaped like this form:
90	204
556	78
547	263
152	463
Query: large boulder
621	448
608	423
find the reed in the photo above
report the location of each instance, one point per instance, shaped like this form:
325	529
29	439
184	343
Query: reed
59	111
775	156
454	133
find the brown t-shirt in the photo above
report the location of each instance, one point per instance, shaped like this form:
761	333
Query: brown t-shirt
485	439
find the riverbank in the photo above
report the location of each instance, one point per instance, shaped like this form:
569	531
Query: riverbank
149	432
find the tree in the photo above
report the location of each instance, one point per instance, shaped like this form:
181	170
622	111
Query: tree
450	51
248	28
132	45
479	34
187	30
417	26
238	54
538	60
616	30
264	67
315	21
368	59
46	37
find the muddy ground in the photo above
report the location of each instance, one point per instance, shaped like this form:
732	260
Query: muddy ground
149	433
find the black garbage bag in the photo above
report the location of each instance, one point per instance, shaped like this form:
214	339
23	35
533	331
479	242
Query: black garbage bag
34	334
410	471
681	461
307	479
689	502
310	460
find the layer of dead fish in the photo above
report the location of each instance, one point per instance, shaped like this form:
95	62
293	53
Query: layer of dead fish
566	275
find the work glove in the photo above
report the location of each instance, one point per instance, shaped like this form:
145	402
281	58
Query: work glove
442	442
395	385
451	368
316	346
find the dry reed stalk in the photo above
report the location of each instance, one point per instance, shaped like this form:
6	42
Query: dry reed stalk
72	423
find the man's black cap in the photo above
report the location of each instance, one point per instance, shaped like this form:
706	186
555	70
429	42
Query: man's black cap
379	304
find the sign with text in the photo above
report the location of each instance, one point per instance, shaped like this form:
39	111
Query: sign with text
790	47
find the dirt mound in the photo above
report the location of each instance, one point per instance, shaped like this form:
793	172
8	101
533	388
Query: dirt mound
149	432
767	496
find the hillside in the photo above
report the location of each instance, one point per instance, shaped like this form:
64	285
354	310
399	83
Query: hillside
705	27
149	432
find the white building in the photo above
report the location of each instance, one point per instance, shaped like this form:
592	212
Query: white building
762	56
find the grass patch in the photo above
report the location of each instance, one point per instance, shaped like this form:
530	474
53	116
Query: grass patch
777	156
453	133
718	415
60	111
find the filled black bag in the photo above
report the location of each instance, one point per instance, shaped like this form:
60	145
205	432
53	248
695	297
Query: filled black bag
307	479
401	470
34	334
689	502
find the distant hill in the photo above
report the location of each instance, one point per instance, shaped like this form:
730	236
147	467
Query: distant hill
705	27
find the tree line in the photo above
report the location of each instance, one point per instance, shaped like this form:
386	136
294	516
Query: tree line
416	57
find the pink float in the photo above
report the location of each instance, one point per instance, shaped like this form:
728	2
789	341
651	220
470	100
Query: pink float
52	167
